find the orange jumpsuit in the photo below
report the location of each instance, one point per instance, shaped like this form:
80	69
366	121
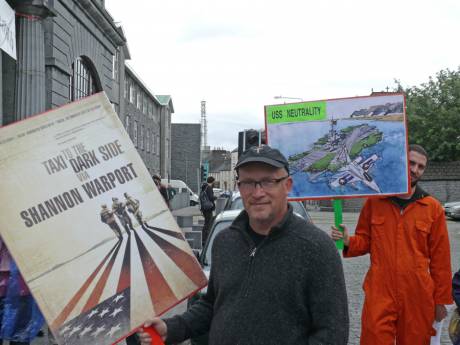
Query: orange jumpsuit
410	269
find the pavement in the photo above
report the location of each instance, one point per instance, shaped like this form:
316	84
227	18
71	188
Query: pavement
354	268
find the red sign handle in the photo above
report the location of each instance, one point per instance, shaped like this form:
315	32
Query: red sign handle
156	339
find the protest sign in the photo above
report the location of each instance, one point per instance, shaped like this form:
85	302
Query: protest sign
91	234
349	147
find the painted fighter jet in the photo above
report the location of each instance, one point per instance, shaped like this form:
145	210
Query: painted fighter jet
356	170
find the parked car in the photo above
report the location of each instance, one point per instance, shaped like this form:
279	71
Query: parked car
222	221
179	185
236	203
217	192
452	209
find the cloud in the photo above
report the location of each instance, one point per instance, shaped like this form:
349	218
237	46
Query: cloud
209	31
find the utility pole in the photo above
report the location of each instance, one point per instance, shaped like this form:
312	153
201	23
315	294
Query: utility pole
204	127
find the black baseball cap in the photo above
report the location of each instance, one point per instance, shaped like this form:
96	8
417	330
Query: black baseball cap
263	154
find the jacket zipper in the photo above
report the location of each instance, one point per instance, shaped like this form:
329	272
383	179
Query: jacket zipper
252	255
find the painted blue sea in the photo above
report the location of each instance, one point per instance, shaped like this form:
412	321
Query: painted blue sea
389	172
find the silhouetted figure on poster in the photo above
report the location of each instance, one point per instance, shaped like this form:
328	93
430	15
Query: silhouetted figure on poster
120	210
133	207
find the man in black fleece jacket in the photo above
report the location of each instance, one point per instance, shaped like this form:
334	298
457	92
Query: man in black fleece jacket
275	279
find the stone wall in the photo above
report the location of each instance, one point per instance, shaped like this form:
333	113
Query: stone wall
185	153
442	180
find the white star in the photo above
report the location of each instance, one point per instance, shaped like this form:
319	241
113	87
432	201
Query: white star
119	297
66	328
86	330
74	330
116	311
94	312
113	330
98	331
105	311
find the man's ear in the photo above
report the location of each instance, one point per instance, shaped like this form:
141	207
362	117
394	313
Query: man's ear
289	183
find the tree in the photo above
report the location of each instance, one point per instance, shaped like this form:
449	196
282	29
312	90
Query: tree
433	111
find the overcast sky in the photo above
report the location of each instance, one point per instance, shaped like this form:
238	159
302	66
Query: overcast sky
237	55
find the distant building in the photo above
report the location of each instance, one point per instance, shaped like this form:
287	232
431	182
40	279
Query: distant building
220	167
69	49
185	153
147	122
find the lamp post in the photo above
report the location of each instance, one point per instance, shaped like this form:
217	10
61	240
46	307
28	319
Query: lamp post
285	97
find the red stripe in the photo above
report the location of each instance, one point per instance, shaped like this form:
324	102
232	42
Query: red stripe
97	292
76	298
125	276
187	263
172	233
160	293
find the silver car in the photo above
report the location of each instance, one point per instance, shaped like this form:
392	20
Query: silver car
452	209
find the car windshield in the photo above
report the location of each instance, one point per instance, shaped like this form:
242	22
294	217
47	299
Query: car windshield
218	227
237	204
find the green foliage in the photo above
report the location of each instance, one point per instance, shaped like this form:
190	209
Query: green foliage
433	111
321	164
366	142
298	156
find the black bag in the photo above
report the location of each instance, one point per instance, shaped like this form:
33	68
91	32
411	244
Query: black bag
205	203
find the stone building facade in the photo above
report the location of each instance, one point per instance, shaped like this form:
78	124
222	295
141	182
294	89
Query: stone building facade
69	49
186	153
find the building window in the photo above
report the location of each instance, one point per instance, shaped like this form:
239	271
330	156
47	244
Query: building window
115	59
127	125
151	109
83	80
158	145
139	100
132	92
147	140
135	133
153	143
146	105
126	88
141	137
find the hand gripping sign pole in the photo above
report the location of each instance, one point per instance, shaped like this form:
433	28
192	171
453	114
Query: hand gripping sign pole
156	339
337	203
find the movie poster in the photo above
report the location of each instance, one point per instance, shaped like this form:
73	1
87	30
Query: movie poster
90	232
349	147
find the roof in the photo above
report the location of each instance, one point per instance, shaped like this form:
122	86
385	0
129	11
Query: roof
139	81
165	100
224	166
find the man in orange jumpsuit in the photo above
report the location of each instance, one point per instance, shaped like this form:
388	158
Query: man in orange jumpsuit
409	280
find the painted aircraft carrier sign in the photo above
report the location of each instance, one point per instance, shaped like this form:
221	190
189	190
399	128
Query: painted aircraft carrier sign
348	147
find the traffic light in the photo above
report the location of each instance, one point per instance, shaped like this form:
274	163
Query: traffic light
202	174
249	138
204	171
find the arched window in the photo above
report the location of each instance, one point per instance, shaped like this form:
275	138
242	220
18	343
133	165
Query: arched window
83	81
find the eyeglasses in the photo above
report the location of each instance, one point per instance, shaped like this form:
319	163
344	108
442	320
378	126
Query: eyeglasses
266	184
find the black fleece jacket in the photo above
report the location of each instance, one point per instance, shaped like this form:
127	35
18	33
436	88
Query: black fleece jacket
288	290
